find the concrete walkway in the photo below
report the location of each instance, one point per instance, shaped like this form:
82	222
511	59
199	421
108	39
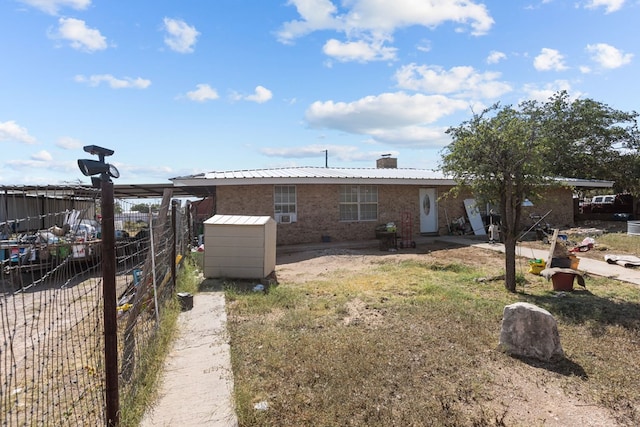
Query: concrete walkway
197	382
588	265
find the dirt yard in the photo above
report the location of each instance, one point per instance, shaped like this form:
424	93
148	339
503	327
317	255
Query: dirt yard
308	264
529	395
313	262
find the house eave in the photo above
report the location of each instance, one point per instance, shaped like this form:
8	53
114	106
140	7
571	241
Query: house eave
586	183
201	182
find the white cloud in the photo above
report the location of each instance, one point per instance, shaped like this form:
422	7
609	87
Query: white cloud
261	95
367	24
413	136
374	16
360	51
549	59
42	156
113	82
68	143
53	6
180	37
79	35
495	57
203	93
343	153
392	117
424	46
585	69
609	5
542	94
136	171
43	160
316	15
11	131
608	56
463	80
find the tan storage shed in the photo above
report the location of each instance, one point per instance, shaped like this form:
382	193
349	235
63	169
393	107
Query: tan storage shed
239	247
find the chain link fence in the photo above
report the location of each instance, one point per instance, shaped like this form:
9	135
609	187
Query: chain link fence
52	355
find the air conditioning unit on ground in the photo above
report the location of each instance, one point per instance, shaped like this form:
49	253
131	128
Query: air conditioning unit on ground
286	218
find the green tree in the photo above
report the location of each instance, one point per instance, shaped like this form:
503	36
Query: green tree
141	207
145	208
629	168
499	159
588	139
504	154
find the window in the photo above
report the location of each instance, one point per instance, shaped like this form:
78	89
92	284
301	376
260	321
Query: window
358	203
285	199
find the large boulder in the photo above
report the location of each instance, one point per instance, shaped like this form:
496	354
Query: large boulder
530	331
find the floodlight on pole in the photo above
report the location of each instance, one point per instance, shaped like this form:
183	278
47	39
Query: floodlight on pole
101	174
99	151
90	167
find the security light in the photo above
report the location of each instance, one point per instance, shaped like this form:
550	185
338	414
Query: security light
90	167
94	167
101	174
113	171
95	150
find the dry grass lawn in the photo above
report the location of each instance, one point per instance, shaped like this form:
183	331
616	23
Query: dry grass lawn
370	338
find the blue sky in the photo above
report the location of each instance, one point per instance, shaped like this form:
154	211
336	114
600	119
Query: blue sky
184	87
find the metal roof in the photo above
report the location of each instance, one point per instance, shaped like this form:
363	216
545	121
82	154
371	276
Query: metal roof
238	220
51	191
589	183
315	175
120	191
204	184
319	175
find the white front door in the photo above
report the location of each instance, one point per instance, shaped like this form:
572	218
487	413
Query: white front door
428	211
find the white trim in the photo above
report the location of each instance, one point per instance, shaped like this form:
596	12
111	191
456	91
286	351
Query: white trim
199	182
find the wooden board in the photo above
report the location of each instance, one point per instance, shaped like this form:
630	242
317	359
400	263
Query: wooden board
552	248
473	213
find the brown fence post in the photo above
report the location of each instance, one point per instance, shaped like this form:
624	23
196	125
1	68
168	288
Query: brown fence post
174	230
189	216
105	172
110	305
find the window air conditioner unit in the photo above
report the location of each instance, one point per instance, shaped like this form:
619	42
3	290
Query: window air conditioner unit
286	218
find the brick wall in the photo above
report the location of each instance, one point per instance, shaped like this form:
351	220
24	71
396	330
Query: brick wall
244	200
557	200
318	210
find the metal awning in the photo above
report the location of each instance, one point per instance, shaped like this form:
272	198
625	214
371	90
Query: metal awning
120	191
145	191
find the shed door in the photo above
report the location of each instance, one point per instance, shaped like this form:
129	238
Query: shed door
428	211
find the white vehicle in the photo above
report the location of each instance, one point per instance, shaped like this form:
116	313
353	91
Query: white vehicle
606	199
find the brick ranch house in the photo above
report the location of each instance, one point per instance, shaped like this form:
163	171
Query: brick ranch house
311	204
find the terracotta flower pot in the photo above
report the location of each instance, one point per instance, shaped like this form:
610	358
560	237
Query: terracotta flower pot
563	281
